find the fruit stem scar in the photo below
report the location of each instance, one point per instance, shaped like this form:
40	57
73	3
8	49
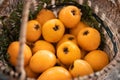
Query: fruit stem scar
65	50
56	27
36	26
73	12
71	38
86	32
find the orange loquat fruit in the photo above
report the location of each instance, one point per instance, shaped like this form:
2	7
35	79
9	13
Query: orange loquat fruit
42	60
74	31
98	59
89	39
13	50
67	52
67	37
55	73
53	30
42	45
33	31
70	16
44	15
80	68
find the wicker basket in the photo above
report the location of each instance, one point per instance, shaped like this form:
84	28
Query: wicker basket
111	37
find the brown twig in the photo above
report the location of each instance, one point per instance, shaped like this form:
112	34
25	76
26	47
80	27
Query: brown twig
3	4
22	39
34	5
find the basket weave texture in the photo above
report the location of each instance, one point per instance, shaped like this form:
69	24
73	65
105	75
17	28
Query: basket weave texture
107	15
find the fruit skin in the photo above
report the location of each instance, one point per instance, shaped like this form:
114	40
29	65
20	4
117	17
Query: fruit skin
89	39
13	50
42	60
33	31
80	68
81	25
98	59
67	37
55	73
42	45
30	73
53	30
45	15
67	52
70	16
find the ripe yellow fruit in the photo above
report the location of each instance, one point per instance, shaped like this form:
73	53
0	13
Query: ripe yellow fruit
42	45
13	50
67	52
89	39
98	59
33	31
80	68
30	73
53	30
44	15
70	16
67	37
55	73
42	60
74	31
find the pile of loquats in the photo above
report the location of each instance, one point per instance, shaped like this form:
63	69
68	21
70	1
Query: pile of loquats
60	48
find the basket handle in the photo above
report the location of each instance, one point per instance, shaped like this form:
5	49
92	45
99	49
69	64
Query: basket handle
22	39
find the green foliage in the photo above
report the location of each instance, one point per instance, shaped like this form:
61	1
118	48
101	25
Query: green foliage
67	0
11	24
46	1
10	30
89	19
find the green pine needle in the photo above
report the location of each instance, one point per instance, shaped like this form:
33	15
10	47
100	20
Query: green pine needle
11	25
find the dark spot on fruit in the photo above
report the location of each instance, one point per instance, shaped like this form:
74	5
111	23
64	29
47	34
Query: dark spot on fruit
37	26
73	12
56	27
86	32
71	38
71	66
65	50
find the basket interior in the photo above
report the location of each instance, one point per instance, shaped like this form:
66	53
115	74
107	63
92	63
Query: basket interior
109	39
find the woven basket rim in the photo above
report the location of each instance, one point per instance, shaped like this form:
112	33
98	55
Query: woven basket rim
110	66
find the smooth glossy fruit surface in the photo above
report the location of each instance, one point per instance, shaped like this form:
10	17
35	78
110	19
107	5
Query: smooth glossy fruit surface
80	68
89	39
13	51
67	52
67	37
44	15
53	30
70	16
74	31
55	73
33	31
42	45
42	60
97	59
